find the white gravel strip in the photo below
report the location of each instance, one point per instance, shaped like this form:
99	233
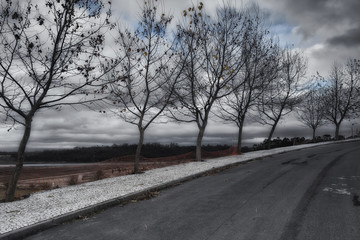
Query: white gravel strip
46	205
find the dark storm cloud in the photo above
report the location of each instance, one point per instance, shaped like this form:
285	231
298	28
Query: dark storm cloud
351	38
336	21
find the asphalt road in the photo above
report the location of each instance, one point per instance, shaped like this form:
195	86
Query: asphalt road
305	194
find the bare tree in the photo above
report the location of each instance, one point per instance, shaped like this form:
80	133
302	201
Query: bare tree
145	80
311	111
341	93
260	69
212	54
47	56
281	97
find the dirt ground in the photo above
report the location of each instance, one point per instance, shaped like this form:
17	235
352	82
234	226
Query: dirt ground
39	178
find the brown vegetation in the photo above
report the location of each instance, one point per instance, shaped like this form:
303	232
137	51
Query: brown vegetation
38	178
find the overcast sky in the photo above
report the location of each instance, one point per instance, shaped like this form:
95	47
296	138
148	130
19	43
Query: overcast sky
325	30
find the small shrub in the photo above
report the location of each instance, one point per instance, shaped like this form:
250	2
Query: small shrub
245	149
45	186
341	137
73	180
99	174
327	137
32	186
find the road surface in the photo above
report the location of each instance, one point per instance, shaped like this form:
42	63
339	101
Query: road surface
305	194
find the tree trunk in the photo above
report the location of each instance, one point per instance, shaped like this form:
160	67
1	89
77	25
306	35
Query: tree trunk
270	135
10	193
198	143
313	134
238	150
337	129
138	150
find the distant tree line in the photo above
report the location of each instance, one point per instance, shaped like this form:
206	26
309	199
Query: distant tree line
151	150
101	153
285	142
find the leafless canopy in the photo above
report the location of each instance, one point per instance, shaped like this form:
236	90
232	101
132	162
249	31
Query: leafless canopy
311	110
38	48
262	58
281	95
341	98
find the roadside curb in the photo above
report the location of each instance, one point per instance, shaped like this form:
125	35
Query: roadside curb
143	194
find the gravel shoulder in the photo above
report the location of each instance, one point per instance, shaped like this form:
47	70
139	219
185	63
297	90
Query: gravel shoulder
45	208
